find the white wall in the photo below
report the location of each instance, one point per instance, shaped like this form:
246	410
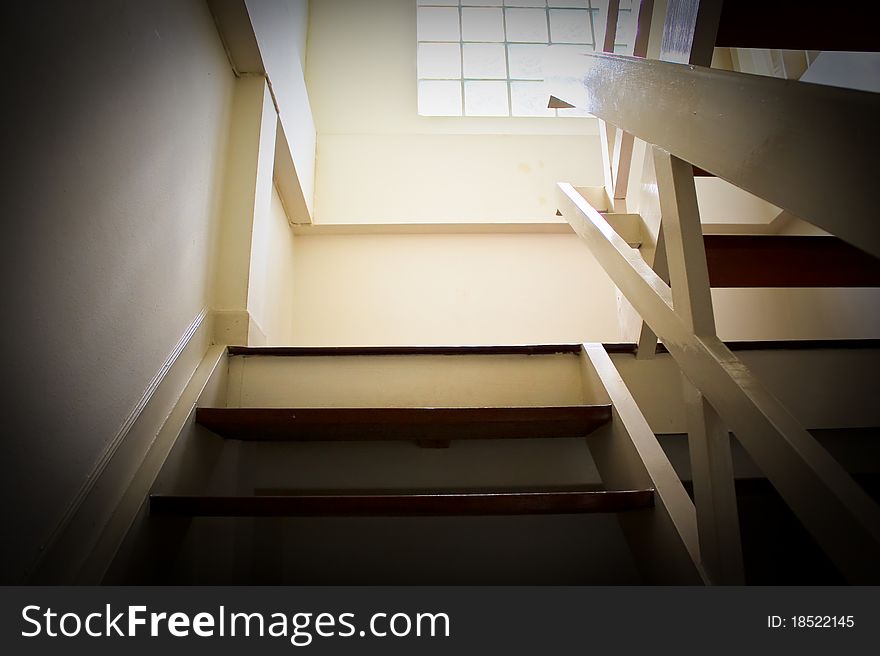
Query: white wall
270	293
114	139
378	161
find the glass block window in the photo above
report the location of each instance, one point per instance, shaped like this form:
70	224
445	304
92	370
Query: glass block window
486	57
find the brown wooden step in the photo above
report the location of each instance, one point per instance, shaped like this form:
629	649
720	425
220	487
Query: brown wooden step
360	424
788	261
403	505
499	349
631	348
796	25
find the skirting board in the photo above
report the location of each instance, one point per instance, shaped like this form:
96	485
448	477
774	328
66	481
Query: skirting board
100	514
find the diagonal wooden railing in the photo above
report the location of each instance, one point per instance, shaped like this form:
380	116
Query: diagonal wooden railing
617	144
842	518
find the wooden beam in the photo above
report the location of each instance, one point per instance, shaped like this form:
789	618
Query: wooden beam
235	31
708	442
714	489
797	25
621	163
683	240
791	144
643	28
664	543
403	505
689	31
788	261
608	134
838	513
611	26
647	344
622	143
253	50
363	424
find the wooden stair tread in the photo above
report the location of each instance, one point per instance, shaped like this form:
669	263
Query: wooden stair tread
794	25
403	505
502	349
788	261
362	424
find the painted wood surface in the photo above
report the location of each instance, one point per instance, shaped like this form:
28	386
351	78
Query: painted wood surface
404	505
789	143
364	424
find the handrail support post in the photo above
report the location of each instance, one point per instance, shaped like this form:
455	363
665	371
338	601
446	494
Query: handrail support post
708	441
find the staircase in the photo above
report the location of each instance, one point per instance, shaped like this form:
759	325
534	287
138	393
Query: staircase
460	465
535	464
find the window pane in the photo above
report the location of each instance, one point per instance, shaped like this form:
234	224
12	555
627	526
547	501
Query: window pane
485	98
484	60
529	99
482	24
492	57
527	61
529	25
438	24
439	98
441	60
626	28
570	26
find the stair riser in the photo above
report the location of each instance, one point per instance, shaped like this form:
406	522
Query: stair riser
407	381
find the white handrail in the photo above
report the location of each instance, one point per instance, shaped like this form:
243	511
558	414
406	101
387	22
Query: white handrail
807	148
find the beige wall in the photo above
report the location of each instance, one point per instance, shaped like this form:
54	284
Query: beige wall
516	288
117	120
449	289
378	161
270	294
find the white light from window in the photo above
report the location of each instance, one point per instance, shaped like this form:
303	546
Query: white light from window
439	98
488	57
439	60
485	98
439	24
529	99
482	24
529	25
485	61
